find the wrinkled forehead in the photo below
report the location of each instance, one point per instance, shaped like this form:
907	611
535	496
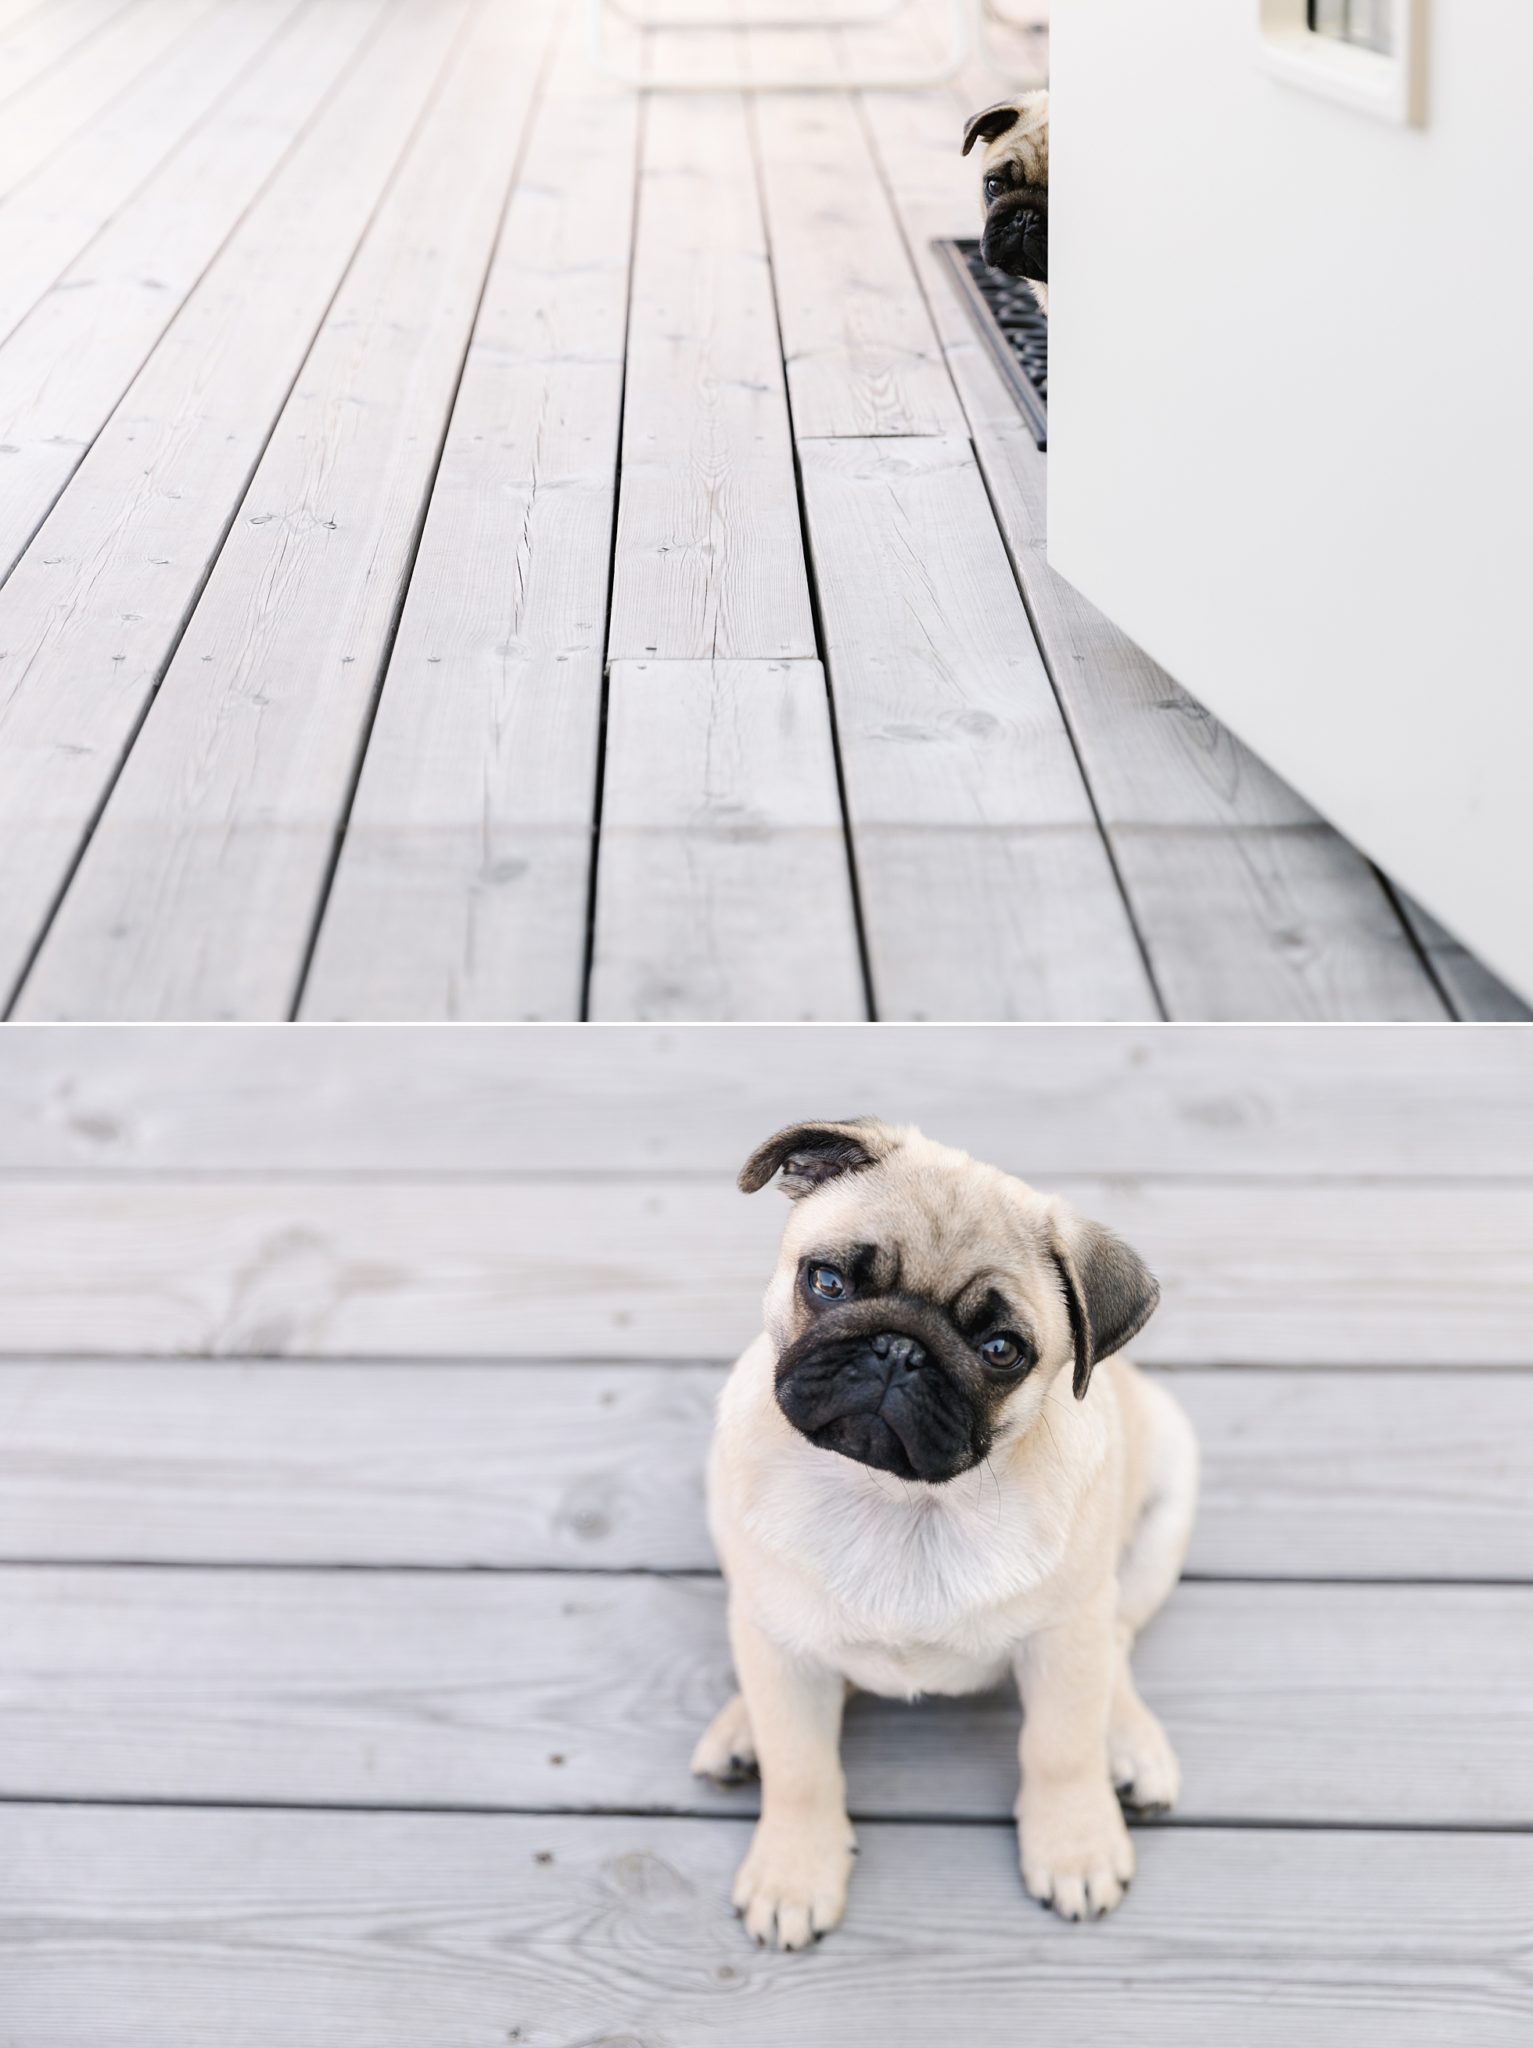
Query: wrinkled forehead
932	1229
1026	148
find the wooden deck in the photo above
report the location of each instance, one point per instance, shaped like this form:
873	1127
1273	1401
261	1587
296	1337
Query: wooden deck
477	542
359	1615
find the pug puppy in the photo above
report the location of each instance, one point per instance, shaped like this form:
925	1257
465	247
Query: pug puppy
933	1468
1014	170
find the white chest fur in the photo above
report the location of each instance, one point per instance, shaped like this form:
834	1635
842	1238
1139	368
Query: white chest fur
902	1587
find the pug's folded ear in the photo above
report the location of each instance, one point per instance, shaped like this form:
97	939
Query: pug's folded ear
810	1154
993	121
1109	1290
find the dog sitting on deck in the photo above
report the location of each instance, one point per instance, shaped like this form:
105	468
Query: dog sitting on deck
1015	173
935	1467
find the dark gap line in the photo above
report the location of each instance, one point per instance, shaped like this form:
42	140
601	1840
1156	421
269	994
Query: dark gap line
599	786
700	1574
922	1818
1418	945
811	578
167	660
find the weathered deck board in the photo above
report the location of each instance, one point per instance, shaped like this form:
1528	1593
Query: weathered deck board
1052	939
1258	1104
100	598
200	888
1305	1475
710	555
723	889
469	841
69	361
1238	918
950	740
559	1690
1284	923
63	96
1319	1275
173	1926
862	356
945	711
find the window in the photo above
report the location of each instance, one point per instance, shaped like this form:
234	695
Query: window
1367	23
1369	54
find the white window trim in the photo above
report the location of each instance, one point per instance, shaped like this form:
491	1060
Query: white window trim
1392	86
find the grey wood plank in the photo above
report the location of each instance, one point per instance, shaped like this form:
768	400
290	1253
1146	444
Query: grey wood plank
469	841
1238	921
710	555
944	707
1362	1705
1318	1275
947	720
1289	924
723	885
1305	1475
128	1926
100	598
1474	993
862	355
55	215
68	94
202	882
67	364
1042	932
1258	1103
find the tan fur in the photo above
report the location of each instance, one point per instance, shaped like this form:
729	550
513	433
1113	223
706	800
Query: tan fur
1043	1561
1026	145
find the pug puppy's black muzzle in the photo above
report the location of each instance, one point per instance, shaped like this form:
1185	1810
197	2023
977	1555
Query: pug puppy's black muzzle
1016	239
884	1395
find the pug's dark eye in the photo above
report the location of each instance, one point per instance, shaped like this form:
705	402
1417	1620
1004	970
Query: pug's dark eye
827	1282
1002	1353
994	187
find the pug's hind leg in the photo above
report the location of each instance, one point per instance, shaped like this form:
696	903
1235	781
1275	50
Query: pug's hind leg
726	1750
792	1885
1145	1773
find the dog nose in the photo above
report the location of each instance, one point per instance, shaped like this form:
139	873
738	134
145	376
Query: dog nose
901	1354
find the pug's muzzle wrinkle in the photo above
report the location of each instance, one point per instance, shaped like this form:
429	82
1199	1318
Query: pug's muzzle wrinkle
883	1400
1016	240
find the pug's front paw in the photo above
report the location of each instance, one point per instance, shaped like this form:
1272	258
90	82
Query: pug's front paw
1076	1852
792	1885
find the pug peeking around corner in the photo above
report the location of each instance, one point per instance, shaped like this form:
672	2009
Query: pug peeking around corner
933	1468
1014	170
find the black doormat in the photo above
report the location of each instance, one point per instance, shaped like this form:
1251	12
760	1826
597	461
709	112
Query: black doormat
1012	327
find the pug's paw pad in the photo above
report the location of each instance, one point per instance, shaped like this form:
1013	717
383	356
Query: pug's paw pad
791	1887
1145	1773
726	1750
1076	1855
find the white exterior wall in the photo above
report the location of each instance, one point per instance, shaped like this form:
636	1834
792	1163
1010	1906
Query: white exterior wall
1310	500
